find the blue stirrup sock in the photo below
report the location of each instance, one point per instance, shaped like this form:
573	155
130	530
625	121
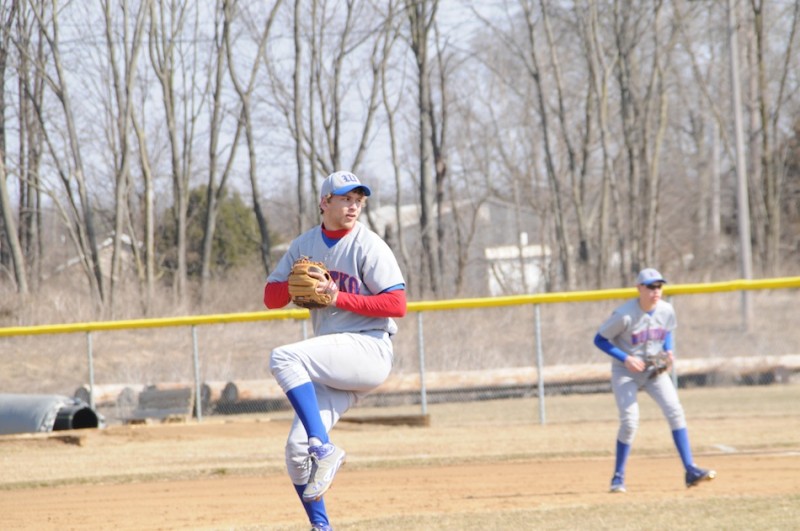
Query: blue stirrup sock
681	438
304	401
315	509
622	457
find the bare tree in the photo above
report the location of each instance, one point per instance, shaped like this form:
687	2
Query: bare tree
576	155
167	25
245	93
768	184
534	70
9	223
395	235
10	226
217	113
600	69
421	17
643	99
297	106
147	270
123	78
73	174
30	89
338	125
333	85
708	128
439	130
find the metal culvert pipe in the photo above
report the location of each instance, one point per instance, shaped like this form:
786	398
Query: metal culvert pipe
75	417
44	413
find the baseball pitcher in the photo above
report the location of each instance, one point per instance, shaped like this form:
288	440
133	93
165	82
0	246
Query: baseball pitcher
351	282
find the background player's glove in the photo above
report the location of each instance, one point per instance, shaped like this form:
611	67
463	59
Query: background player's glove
303	286
655	364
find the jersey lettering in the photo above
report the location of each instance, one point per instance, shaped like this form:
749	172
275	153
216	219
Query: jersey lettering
651	334
345	282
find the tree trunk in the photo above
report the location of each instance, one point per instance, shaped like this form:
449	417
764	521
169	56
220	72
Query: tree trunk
245	93
75	177
166	25
553	177
421	15
123	87
6	209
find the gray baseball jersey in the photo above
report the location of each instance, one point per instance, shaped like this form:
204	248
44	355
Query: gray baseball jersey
360	263
639	333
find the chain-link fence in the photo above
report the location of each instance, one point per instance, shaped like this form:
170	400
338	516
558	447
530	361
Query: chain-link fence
448	351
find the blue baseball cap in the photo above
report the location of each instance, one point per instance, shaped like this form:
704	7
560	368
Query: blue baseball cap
341	182
649	276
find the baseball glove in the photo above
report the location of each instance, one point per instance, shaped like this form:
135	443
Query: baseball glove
303	286
655	364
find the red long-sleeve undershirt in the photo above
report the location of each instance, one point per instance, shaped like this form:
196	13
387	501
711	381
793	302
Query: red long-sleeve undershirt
386	304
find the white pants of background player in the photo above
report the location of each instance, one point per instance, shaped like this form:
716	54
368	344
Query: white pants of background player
343	368
626	384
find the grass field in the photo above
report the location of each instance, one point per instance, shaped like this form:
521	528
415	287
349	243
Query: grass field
479	465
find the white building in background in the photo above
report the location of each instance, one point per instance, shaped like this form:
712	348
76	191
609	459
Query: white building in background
516	269
105	251
500	258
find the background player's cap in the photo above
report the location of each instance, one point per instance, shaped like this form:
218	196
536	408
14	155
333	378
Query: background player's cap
648	276
341	182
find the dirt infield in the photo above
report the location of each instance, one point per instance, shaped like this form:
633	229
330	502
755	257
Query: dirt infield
472	468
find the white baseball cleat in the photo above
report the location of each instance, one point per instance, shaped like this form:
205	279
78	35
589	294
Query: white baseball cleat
325	462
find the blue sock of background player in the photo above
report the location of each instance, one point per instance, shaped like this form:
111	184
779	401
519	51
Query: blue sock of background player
622	457
304	401
681	438
315	510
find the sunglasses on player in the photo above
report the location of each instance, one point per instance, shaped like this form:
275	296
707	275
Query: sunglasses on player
654	286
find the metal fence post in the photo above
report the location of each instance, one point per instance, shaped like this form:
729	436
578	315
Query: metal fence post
198	407
91	368
421	348
539	363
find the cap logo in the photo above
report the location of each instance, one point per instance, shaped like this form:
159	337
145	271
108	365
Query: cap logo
342	182
648	276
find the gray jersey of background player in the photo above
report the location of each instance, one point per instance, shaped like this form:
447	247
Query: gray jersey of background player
351	352
638	331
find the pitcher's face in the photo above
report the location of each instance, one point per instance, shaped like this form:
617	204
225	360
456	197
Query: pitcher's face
342	211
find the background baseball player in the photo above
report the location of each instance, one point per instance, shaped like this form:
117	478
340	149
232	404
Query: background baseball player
636	336
351	352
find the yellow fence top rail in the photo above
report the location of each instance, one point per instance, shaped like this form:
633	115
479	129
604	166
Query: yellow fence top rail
420	306
599	295
162	322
